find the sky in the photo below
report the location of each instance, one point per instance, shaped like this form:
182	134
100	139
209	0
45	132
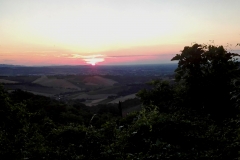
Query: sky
112	32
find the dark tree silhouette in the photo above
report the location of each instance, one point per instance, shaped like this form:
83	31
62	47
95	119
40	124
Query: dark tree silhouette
120	108
207	73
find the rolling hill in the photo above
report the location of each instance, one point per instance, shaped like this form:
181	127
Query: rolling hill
54	82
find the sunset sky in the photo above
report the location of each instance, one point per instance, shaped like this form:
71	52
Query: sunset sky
106	32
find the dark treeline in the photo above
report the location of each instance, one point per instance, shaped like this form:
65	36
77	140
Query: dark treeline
196	117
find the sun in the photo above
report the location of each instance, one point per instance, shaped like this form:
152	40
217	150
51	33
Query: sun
93	63
93	59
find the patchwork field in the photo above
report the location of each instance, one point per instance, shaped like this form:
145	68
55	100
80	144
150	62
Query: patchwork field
97	80
42	90
93	86
89	89
7	81
124	98
93	97
54	82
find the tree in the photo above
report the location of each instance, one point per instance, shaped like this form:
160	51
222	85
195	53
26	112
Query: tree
161	95
207	72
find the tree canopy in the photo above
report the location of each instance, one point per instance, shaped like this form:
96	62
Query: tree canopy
208	72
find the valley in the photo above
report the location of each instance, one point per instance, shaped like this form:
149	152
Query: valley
87	84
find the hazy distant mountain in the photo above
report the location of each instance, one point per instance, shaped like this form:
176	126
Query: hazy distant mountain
9	65
146	70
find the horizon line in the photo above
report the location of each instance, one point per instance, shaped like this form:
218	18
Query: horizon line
86	65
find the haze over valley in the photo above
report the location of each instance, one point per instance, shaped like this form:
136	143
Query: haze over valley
91	85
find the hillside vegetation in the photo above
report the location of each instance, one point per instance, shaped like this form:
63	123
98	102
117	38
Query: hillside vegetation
196	117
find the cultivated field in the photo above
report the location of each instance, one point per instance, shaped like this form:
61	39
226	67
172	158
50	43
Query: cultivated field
124	98
89	89
97	80
7	81
55	83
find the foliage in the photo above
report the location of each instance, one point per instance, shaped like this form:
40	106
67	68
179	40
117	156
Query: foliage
179	120
161	95
207	73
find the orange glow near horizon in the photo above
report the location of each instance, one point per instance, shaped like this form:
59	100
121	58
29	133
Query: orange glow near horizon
83	32
94	61
91	59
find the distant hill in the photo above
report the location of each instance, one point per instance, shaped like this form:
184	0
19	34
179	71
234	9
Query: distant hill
157	69
54	82
9	65
97	80
7	81
124	98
